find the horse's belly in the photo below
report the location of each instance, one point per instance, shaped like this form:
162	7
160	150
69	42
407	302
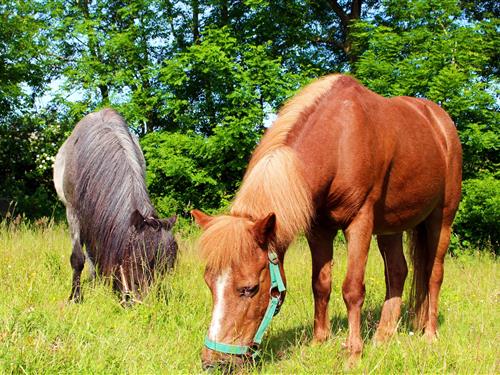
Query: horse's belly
409	200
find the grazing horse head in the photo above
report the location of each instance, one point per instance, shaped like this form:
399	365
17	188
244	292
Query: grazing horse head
236	251
153	248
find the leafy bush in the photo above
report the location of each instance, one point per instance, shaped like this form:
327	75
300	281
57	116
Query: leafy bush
478	218
186	171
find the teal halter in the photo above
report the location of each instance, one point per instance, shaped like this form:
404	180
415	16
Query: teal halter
272	309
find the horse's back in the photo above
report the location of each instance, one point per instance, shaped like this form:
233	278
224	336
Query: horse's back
92	146
447	138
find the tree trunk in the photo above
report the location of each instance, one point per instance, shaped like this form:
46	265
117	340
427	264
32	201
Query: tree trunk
345	21
196	21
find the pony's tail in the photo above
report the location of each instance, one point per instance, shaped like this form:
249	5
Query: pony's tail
420	255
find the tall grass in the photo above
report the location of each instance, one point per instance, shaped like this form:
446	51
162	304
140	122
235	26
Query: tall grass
40	332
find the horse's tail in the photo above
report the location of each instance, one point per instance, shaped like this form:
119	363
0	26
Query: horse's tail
420	254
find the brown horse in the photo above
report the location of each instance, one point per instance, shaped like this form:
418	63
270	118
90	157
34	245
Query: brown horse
337	157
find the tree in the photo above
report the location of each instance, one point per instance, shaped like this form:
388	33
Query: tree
109	52
26	67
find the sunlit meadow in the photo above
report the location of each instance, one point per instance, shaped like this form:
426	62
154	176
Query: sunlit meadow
41	332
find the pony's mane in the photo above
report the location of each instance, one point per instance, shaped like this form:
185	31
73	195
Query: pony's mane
297	108
110	185
227	241
273	182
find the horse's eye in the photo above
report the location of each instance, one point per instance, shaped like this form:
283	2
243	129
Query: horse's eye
248	291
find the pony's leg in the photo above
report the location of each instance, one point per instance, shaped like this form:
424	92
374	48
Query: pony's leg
396	270
77	258
438	237
92	270
358	236
321	244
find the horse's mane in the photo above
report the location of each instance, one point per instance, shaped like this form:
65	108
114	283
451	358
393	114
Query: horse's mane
110	185
292	114
273	182
231	237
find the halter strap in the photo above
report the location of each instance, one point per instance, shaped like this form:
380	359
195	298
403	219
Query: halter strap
272	310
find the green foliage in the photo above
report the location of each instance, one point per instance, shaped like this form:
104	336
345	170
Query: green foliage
176	166
24	59
27	149
478	219
218	80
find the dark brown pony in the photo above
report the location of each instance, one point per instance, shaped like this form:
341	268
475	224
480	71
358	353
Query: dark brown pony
338	157
99	175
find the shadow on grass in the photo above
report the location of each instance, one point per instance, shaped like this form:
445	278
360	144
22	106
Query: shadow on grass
282	343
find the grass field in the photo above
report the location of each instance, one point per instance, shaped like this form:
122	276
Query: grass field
40	332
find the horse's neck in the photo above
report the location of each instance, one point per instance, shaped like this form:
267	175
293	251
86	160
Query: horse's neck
275	185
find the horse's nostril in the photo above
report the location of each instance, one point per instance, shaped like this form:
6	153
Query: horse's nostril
210	367
223	367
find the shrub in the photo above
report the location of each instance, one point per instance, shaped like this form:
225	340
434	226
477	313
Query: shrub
478	218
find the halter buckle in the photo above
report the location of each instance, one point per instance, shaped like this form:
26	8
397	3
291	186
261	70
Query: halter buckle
273	257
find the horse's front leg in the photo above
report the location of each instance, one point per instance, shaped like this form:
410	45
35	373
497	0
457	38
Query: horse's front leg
358	236
321	244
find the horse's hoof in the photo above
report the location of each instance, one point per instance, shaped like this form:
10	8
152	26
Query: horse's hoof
381	338
431	336
319	339
353	361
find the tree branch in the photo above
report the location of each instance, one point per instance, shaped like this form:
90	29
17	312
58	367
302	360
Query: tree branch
355	10
344	19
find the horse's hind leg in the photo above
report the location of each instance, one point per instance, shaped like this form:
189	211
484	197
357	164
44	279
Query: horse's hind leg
396	270
91	264
438	237
77	258
321	244
429	245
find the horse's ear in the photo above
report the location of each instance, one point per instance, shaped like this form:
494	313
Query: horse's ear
202	219
137	220
167	224
265	230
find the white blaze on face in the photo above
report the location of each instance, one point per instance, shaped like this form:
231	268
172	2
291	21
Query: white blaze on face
219	307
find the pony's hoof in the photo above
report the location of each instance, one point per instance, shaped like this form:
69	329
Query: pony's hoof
319	339
381	338
430	336
353	361
317	342
75	299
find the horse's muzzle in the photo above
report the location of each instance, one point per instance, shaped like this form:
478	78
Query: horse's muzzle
220	362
